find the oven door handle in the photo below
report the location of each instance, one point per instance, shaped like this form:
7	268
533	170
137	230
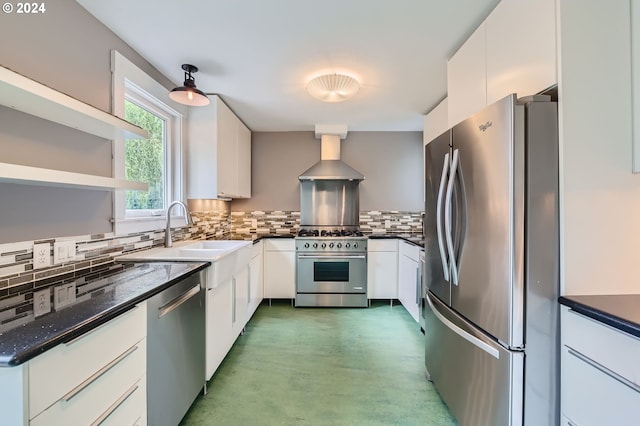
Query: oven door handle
314	256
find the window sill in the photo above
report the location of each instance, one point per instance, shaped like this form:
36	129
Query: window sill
132	225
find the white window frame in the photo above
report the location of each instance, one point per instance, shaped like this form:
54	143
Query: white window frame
127	79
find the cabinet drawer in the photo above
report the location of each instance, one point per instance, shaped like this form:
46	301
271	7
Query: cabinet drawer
412	251
591	396
61	369
614	349
382	244
280	244
132	409
117	393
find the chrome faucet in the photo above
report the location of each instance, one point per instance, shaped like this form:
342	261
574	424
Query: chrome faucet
168	242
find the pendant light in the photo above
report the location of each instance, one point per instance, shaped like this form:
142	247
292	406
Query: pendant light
189	94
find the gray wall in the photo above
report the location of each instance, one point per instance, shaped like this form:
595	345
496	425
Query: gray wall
69	50
390	161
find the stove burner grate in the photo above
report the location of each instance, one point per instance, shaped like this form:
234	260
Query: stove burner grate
330	233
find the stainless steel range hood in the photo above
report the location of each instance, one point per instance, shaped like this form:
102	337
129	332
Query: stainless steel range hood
331	170
330	167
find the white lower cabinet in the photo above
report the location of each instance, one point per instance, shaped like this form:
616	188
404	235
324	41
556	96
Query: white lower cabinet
227	307
409	278
241	300
219	327
98	377
280	268
600	373
256	288
382	269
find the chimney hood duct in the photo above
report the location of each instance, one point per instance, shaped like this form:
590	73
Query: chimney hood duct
330	167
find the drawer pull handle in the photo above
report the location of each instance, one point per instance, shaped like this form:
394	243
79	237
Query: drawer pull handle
114	406
73	392
604	370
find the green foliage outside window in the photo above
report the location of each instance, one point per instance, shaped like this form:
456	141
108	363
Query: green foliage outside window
144	159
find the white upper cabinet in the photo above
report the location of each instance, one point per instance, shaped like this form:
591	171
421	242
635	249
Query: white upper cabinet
436	121
467	78
244	161
512	51
521	48
635	83
219	153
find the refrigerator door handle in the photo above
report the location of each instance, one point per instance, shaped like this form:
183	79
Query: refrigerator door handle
439	231
462	333
447	217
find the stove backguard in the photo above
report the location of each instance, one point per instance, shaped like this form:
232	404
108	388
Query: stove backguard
329	203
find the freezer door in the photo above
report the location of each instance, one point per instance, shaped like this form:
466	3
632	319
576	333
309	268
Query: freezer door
488	157
478	379
436	269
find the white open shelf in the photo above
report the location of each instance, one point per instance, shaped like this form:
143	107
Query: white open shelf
31	97
14	173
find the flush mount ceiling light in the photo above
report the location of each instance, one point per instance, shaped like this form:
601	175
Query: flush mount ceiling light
188	94
333	87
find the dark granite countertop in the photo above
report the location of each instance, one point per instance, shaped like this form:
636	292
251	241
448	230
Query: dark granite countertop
621	311
414	238
114	295
258	237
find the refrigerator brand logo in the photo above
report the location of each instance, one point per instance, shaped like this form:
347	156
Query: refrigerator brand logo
485	126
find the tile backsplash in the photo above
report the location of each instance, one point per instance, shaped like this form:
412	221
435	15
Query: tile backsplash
95	253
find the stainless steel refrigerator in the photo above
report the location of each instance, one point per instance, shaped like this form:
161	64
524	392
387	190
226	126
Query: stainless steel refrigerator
492	265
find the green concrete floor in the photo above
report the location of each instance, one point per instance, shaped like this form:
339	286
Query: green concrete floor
309	366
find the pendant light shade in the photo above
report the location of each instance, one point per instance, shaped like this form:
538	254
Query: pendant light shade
333	87
189	94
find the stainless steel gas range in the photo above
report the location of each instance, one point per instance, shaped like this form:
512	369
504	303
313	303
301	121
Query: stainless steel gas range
331	268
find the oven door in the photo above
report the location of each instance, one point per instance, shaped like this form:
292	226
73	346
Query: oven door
324	273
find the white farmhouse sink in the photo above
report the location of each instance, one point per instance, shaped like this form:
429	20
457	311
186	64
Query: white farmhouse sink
226	256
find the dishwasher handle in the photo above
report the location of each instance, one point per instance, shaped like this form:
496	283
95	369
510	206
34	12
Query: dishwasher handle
179	300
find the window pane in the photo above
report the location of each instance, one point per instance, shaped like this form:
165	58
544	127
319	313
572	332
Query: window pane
144	159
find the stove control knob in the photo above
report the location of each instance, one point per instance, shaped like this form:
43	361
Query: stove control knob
330	245
355	245
339	245
347	245
315	245
306	245
324	245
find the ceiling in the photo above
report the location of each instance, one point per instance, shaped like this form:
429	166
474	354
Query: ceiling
258	54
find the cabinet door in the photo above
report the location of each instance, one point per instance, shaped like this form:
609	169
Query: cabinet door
219	327
227	150
382	275
279	274
408	285
243	168
256	289
521	48
436	122
202	151
241	293
467	78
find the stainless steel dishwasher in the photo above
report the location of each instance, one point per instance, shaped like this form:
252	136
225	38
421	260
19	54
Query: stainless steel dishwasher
175	350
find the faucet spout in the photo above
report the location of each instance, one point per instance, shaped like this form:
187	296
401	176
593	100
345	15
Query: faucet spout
168	242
